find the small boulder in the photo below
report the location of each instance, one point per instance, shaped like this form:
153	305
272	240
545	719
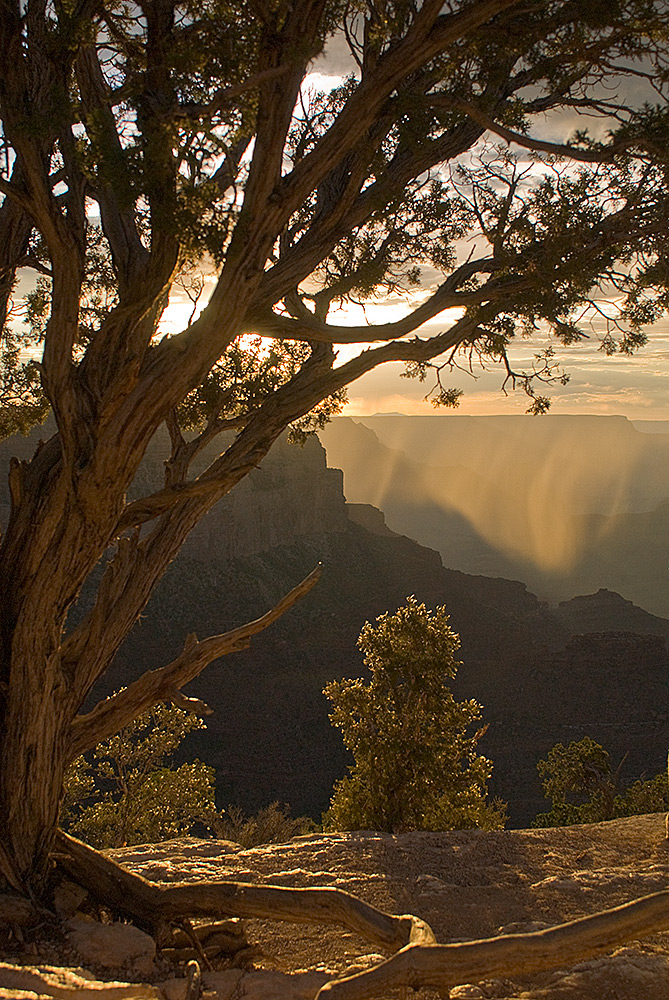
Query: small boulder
113	946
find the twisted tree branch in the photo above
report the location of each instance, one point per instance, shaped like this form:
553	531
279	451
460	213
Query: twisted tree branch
440	966
113	713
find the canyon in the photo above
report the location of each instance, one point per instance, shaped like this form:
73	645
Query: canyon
593	665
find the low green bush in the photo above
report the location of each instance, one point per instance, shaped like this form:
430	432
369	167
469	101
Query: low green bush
582	787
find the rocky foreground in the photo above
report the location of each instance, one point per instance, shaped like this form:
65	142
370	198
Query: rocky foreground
465	884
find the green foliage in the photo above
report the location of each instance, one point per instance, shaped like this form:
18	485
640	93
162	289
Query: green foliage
271	825
246	375
124	793
416	767
23	405
643	797
582	787
579	781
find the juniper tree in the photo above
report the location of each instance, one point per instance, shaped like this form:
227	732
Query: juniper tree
583	787
142	142
415	748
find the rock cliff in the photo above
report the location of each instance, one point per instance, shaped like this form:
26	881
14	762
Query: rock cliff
279	503
568	504
543	675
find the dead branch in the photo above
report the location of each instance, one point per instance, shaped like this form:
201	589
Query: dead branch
48	983
150	904
441	966
194	987
113	713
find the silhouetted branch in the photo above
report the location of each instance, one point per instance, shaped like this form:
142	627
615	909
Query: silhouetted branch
113	713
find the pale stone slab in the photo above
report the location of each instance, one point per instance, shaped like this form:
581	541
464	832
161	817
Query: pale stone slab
113	946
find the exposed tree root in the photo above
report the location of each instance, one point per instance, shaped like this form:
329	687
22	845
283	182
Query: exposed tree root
65	984
222	938
419	961
440	966
153	905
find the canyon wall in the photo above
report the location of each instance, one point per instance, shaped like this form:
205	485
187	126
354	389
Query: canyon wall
594	666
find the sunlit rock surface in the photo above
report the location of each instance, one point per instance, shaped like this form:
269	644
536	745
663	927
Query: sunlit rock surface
466	884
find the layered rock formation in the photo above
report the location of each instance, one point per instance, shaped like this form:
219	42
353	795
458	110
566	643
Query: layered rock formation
277	504
543	675
568	504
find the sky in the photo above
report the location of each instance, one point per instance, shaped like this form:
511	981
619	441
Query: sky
636	387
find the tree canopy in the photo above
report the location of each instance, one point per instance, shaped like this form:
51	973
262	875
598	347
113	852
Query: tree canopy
145	142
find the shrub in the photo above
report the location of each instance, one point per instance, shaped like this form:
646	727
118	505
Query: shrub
416	767
124	792
579	781
271	825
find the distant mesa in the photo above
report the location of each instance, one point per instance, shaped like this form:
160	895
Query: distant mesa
608	611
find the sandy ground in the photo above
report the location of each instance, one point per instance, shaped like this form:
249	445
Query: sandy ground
466	884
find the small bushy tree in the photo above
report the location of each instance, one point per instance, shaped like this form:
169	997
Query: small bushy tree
126	792
416	767
582	787
272	824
